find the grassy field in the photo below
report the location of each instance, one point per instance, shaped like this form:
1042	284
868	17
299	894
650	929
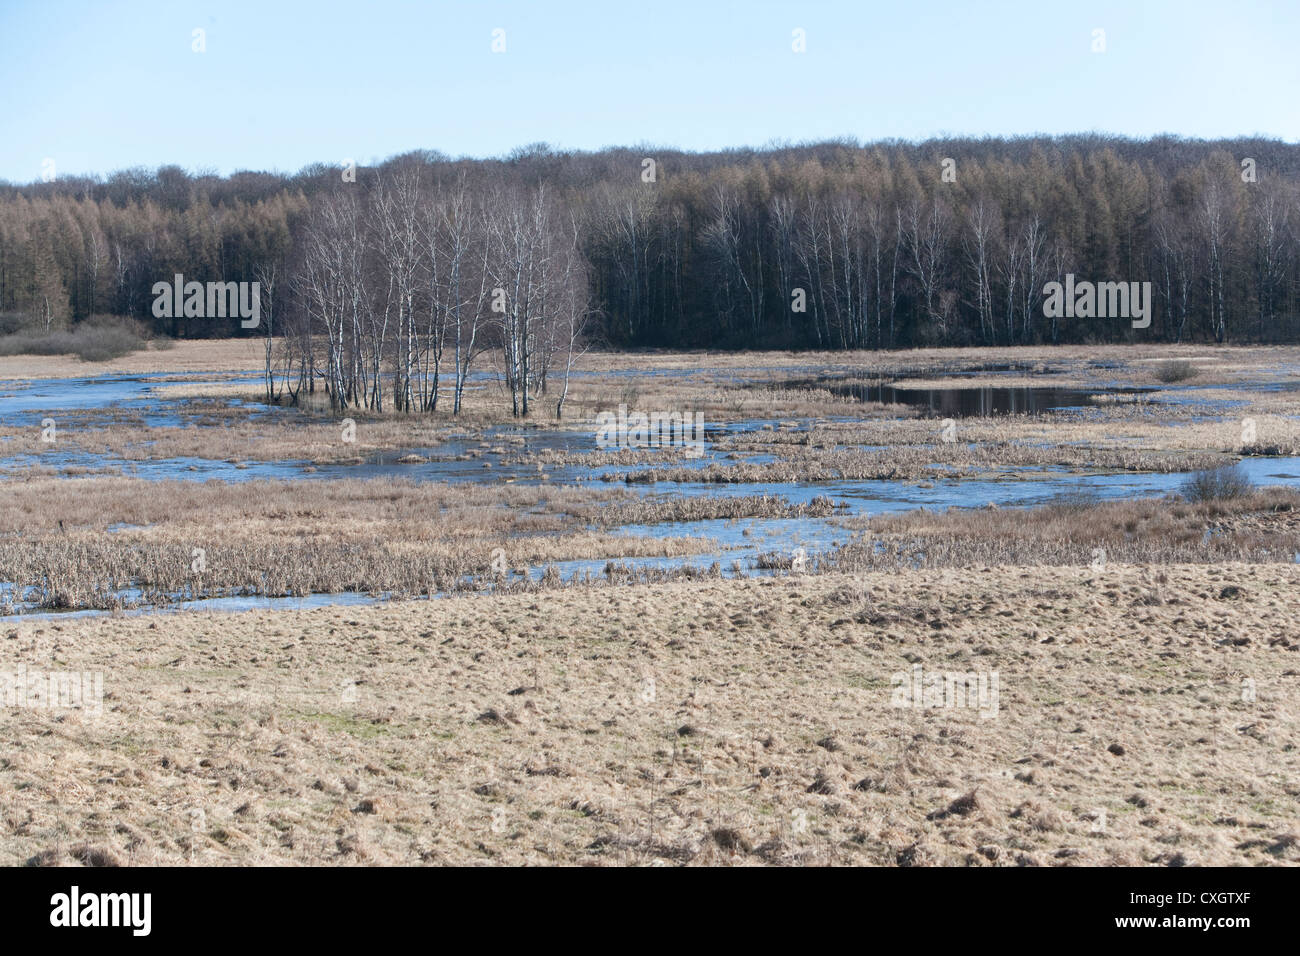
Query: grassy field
1141	717
190	355
1090	682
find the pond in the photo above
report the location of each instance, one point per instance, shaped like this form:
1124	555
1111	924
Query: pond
971	401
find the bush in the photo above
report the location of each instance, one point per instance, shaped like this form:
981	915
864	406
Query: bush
101	343
1176	370
98	339
1218	484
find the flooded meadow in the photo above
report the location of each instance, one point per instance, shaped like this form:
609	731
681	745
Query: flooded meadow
808	453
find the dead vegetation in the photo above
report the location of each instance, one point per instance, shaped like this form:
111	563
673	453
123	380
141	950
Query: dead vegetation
1260	527
942	460
715	722
1141	432
109	543
1146	649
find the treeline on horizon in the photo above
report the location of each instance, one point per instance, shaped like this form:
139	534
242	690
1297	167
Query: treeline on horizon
719	249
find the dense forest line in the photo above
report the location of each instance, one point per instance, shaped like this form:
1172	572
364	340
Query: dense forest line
833	245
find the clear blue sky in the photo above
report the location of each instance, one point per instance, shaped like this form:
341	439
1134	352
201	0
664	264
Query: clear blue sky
99	86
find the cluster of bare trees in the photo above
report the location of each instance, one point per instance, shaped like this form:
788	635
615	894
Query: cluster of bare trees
405	283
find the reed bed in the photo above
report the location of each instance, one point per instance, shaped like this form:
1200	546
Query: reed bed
1262	527
394	506
807	464
104	543
76	573
1161	428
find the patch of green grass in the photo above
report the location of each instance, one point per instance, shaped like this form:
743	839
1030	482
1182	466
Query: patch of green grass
865	681
344	723
1171	786
130	746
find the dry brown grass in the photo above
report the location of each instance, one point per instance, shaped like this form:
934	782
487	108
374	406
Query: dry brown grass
284	538
698	721
196	355
1118	438
79	544
1149	429
1261	527
957	459
521	729
1135	433
401	508
1071	363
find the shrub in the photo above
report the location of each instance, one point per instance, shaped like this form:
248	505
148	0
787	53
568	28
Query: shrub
1175	370
104	342
98	339
1217	484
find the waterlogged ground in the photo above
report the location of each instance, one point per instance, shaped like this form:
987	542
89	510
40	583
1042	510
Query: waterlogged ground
723	685
1069	395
